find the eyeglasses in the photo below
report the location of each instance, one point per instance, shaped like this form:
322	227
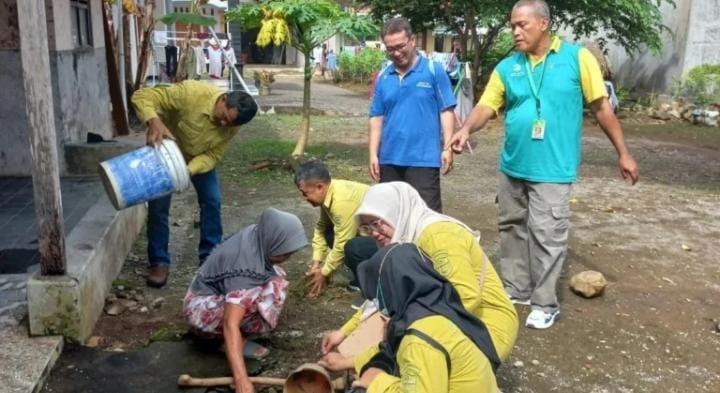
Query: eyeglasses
394	49
373	226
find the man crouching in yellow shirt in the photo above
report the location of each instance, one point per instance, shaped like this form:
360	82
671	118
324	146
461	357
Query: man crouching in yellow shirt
432	343
338	201
202	119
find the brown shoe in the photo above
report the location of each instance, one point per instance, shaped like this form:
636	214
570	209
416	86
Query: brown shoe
158	276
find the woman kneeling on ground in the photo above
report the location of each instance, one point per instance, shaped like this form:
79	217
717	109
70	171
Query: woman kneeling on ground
241	288
394	212
431	343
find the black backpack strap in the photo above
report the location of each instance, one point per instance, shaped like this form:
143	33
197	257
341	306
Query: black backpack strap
434	344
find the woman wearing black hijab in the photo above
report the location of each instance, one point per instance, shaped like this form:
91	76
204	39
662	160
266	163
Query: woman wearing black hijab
431	344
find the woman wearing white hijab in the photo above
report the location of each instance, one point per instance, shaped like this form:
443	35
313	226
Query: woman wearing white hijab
394	212
241	288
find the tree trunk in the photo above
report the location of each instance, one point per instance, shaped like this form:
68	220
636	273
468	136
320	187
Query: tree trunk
304	131
480	75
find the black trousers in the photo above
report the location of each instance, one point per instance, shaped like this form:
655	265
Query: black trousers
424	179
358	250
171	60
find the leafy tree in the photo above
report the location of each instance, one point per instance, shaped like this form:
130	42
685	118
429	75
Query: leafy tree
630	23
303	24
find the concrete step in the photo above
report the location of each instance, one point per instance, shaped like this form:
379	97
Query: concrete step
83	158
26	361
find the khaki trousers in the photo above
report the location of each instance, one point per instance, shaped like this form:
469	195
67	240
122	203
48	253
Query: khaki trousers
533	221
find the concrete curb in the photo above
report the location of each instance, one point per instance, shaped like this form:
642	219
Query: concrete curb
69	305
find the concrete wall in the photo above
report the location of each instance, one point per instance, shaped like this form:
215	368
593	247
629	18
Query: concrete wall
14	145
695	40
81	93
655	72
81	99
703	41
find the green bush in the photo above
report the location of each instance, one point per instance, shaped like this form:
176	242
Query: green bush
359	68
701	84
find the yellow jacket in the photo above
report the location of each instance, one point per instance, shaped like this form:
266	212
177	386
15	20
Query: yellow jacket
342	200
457	255
423	367
186	109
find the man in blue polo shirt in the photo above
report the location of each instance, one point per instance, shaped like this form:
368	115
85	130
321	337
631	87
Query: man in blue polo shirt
411	114
543	87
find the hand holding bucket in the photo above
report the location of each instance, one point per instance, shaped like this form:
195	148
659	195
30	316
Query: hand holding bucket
144	174
157	131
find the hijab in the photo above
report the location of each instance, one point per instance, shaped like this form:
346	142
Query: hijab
243	260
407	289
400	205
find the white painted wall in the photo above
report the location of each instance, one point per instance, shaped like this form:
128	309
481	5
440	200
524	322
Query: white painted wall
703	41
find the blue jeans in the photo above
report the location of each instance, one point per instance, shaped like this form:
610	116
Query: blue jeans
207	187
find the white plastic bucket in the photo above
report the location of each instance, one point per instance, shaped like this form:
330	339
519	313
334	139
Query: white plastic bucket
144	174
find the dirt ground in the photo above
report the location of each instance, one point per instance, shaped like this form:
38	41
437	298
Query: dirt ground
654	329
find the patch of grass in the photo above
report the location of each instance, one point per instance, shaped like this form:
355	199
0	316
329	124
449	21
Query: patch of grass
126	284
273	138
679	132
172	333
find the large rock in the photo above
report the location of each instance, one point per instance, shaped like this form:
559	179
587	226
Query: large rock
588	284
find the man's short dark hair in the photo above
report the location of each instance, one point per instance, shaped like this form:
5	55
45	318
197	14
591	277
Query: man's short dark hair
245	105
313	171
397	25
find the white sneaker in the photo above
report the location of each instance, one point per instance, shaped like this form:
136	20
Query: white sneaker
539	319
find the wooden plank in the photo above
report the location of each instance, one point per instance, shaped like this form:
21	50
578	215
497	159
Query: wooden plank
32	24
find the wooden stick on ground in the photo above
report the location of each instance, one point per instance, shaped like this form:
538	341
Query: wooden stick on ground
187	380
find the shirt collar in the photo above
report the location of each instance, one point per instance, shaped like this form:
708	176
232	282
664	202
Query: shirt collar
329	195
420	58
209	108
555	44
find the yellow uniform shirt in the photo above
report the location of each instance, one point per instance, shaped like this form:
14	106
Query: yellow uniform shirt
341	202
186	109
457	255
423	368
591	80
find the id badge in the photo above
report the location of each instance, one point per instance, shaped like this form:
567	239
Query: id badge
538	129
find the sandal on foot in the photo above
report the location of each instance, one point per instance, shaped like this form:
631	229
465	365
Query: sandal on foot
251	349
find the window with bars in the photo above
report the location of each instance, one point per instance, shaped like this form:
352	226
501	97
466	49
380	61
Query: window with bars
81	25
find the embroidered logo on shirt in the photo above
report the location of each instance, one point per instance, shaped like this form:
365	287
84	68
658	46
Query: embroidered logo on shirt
424	85
517	70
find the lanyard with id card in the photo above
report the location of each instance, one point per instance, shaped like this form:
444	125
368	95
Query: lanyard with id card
538	126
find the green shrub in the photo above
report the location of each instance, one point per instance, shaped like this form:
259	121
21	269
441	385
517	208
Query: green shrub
359	68
701	84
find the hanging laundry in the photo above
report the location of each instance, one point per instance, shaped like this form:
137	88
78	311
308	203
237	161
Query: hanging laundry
216	57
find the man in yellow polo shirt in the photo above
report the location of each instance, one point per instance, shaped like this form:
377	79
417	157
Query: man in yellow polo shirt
338	200
202	119
543	87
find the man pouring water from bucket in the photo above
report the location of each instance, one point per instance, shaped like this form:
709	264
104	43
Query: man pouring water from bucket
202	119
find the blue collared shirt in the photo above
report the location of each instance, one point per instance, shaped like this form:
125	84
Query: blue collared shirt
411	105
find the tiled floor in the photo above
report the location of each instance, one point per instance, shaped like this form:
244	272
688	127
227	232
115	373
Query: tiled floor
18	239
17	211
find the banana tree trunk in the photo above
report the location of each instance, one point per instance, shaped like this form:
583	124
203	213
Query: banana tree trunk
304	131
